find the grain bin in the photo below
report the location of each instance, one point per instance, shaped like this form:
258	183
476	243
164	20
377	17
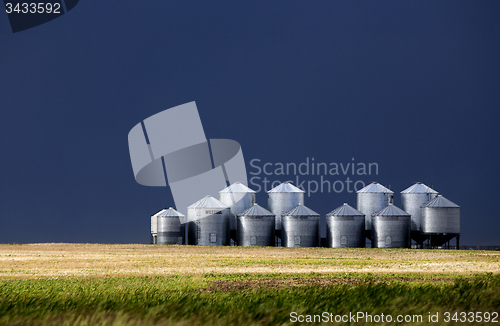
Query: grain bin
238	198
300	227
372	199
154	226
412	199
441	216
391	228
345	227
255	227
170	227
208	222
283	198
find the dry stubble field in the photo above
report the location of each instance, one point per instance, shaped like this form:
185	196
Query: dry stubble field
81	260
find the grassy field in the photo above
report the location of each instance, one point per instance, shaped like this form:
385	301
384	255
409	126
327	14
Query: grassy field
91	284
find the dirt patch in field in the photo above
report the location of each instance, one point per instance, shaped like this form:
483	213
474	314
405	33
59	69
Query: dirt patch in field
276	283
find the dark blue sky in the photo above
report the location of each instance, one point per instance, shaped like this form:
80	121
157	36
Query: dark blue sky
412	86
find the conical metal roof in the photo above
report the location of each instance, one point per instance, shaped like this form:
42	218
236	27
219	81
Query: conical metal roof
345	210
169	212
256	210
419	188
286	187
375	187
159	212
440	201
237	187
300	210
208	202
391	210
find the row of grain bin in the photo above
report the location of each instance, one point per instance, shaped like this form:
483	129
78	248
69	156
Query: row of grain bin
286	218
236	216
424	215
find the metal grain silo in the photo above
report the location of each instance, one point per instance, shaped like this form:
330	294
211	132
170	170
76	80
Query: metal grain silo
255	227
345	227
391	228
208	222
239	198
283	198
372	199
154	226
300	227
170	227
441	216
412	199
